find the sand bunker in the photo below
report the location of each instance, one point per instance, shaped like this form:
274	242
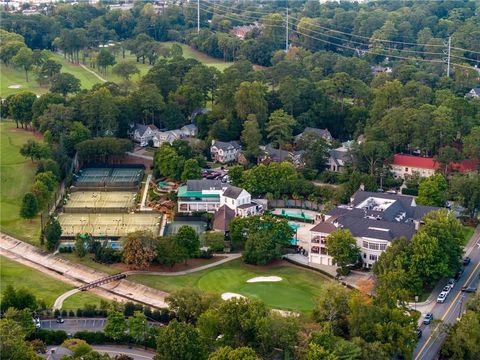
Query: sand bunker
229	295
286	313
264	279
15	86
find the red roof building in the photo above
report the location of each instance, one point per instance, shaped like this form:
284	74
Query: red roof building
406	165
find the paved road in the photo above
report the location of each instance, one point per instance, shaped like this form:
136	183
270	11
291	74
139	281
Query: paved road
433	335
71	326
114	350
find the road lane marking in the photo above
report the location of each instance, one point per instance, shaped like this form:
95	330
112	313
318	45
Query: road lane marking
419	355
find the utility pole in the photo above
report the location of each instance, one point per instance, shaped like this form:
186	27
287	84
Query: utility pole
286	33
448	53
198	16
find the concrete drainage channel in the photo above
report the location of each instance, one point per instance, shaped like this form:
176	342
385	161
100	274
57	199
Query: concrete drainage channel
124	289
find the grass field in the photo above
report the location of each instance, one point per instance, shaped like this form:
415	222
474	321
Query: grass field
17	178
11	77
43	286
296	291
191	53
467	234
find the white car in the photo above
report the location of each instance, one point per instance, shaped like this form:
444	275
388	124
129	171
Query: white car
451	283
441	297
447	289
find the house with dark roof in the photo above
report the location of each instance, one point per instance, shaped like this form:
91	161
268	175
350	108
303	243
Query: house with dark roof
224	152
473	94
374	219
213	196
404	166
270	154
323	133
339	157
144	133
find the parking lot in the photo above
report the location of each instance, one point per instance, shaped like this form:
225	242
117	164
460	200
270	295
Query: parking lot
71	326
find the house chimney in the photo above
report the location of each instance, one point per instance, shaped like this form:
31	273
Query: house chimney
362	187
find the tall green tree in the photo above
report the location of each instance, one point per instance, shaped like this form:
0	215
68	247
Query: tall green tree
433	191
52	232
279	128
189	303
24	60
188	238
116	326
20	107
342	247
137	327
29	207
105	59
125	70
64	83
12	341
251	137
179	340
250	99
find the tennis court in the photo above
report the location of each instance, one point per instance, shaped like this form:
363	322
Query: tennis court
109	177
173	227
111	225
100	201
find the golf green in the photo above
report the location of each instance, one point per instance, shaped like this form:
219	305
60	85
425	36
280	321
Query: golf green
296	291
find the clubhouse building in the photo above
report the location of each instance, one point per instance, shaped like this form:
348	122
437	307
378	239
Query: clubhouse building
374	219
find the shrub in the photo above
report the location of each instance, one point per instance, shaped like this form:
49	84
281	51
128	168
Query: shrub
93	338
214	240
50	337
407	191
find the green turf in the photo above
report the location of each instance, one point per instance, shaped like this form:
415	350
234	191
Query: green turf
86	78
467	234
296	291
191	53
16	179
11	76
89	262
42	286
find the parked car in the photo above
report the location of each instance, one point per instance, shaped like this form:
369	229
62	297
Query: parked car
419	333
466	261
441	297
451	283
469	289
37	323
446	289
428	318
60	320
458	274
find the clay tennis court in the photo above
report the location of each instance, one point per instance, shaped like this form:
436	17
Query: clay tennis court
111	225
100	201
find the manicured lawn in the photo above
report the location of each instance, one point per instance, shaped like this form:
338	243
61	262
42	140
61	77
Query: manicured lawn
296	291
88	261
191	53
12	76
467	234
86	78
17	178
43	286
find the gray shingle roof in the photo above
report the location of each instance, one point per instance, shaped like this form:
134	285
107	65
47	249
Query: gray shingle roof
226	145
233	192
205	184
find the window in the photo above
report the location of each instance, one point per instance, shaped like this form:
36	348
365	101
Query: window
373	257
406	169
374	246
383	246
365	244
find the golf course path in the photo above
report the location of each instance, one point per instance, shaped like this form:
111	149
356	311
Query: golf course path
228	257
59	301
93	72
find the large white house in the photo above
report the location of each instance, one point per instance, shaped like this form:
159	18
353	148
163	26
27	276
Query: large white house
224	152
221	199
143	134
374	219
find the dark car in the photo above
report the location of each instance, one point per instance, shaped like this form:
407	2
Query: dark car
458	274
60	320
428	318
419	333
466	261
469	289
